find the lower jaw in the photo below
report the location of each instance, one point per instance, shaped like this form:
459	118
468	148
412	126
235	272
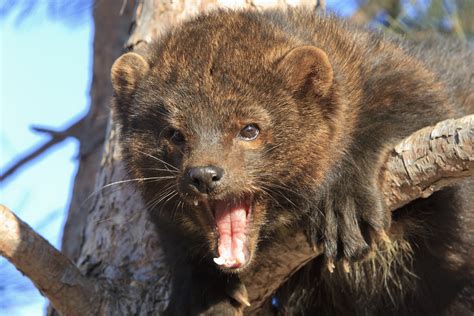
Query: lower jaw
236	269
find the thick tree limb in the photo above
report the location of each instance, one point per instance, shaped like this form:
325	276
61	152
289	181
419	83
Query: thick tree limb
428	160
421	164
51	272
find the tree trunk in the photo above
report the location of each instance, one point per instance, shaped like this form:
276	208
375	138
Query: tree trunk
112	25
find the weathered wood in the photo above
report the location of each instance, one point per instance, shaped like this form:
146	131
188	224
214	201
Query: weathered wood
52	272
111	25
429	160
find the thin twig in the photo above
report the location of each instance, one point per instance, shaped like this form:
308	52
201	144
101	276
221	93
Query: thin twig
77	130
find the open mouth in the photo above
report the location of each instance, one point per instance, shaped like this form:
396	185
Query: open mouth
232	220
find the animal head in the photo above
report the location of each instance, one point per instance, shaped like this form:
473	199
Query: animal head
229	129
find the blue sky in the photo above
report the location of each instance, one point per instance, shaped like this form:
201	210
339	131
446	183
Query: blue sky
45	70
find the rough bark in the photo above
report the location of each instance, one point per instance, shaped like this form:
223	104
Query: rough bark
121	260
429	160
52	272
112	24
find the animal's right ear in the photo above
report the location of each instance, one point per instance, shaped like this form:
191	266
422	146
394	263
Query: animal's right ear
307	70
126	72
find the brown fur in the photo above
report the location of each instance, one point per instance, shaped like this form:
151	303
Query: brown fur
329	99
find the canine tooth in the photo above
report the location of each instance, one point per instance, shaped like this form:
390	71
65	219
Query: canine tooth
195	202
219	261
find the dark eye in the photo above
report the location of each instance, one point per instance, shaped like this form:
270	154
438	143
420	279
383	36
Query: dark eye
249	132
177	137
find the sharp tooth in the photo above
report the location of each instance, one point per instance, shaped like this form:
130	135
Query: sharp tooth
196	202
219	261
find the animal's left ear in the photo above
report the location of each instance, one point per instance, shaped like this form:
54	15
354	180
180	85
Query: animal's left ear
307	70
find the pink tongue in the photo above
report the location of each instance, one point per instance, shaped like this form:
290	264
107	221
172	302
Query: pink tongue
231	220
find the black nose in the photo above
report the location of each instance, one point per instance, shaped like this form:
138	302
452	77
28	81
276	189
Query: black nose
205	179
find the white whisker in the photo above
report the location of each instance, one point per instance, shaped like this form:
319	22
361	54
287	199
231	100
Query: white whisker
158	159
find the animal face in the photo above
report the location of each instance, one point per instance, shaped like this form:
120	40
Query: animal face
229	146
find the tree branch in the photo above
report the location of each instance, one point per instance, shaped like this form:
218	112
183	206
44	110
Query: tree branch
79	130
424	162
429	160
52	273
56	138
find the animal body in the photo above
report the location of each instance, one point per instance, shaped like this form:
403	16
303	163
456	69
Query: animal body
246	125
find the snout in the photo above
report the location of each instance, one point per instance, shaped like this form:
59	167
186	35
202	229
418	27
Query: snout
203	179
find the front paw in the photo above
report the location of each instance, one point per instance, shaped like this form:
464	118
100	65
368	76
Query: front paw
353	218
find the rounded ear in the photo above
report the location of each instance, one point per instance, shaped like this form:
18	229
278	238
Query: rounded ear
307	70
126	71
